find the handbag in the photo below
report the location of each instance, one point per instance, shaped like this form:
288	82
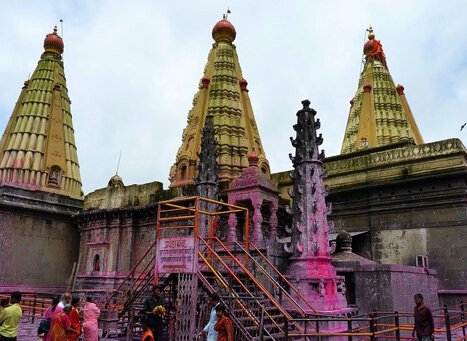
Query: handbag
44	326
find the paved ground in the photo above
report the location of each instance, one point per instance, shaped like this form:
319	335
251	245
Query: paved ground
28	332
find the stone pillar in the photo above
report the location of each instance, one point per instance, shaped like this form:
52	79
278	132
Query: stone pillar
273	220
257	233
232	231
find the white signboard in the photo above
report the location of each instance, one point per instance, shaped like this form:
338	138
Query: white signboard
176	255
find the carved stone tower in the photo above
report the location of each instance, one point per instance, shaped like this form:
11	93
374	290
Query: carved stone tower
379	113
37	149
207	179
310	261
40	184
222	94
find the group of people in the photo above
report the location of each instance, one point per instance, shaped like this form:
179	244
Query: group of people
62	320
220	326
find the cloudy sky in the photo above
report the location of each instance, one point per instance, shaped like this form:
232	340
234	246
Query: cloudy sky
133	67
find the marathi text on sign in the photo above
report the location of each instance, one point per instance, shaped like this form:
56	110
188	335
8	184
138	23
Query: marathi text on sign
176	255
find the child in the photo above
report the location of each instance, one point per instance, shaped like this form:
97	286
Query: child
147	333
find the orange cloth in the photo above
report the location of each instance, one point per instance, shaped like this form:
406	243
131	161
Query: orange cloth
74	318
222	327
58	326
147	336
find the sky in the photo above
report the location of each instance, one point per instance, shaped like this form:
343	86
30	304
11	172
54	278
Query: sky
133	67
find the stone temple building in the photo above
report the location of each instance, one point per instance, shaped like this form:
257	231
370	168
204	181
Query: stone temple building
397	205
40	184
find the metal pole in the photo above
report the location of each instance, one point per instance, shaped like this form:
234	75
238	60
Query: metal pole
261	324
397	325
349	327
447	321
372	328
462	318
34	308
317	327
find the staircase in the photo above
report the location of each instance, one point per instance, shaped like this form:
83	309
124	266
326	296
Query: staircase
261	302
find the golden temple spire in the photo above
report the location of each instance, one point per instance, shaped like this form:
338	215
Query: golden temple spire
37	149
379	112
222	94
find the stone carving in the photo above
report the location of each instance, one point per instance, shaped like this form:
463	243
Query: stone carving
207	179
310	257
55	176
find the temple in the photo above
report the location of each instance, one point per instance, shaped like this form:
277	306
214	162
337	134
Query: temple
379	111
293	255
40	184
223	94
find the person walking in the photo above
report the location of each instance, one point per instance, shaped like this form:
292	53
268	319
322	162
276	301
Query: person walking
90	325
61	325
224	326
209	328
74	319
155	320
424	325
9	318
49	313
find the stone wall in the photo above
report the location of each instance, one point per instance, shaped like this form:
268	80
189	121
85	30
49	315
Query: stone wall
389	287
119	238
38	240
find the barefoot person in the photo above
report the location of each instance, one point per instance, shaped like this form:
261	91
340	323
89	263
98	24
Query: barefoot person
61	325
49	313
9	318
424	325
209	328
90	324
224	326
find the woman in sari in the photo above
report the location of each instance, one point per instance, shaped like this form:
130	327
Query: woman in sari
61	325
224	325
90	324
49	313
74	319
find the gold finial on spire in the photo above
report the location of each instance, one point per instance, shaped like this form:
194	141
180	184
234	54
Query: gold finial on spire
371	34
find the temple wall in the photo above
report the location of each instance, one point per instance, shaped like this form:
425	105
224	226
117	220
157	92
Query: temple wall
120	238
444	247
392	287
38	241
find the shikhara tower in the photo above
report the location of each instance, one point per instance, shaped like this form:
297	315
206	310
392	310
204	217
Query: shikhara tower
379	112
37	149
40	184
222	94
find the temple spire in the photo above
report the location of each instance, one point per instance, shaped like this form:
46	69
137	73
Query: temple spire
37	149
222	94
379	112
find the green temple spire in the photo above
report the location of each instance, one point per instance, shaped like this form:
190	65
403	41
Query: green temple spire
37	149
222	94
379	113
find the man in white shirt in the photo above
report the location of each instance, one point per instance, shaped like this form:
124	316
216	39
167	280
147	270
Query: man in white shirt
209	328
